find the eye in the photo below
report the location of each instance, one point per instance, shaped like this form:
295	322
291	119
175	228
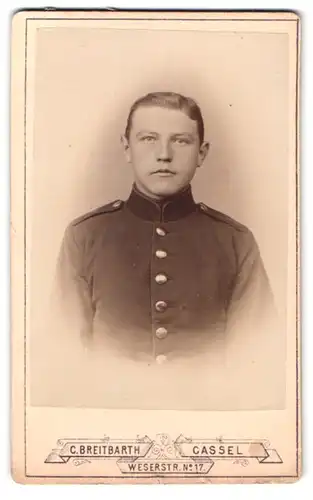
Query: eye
148	139
181	141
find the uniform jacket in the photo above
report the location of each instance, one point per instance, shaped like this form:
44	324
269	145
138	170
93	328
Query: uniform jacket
160	281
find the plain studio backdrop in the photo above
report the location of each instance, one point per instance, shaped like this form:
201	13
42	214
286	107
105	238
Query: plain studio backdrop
85	82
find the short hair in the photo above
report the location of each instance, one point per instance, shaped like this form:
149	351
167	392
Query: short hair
170	100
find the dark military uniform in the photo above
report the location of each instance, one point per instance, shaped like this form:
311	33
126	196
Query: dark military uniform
156	279
165	283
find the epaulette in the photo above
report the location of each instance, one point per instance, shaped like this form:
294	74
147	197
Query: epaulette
106	209
221	217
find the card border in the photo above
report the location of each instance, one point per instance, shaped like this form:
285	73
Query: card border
297	233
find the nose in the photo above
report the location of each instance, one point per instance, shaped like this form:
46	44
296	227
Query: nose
164	152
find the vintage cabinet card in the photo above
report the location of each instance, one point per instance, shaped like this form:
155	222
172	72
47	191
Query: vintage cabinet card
155	319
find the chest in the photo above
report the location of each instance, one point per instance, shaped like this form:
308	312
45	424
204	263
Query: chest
142	262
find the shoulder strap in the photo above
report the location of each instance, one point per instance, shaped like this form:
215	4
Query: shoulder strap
221	217
106	209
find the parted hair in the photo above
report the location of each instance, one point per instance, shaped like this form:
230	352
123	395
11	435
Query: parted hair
170	100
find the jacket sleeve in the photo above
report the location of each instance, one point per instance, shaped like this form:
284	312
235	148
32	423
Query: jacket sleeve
63	344
252	300
71	297
255	346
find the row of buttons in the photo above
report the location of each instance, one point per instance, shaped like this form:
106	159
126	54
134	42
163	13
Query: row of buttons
161	305
161	278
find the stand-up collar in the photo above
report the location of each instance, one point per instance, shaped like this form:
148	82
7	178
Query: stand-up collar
170	209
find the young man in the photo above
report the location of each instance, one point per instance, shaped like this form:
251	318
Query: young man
159	277
161	302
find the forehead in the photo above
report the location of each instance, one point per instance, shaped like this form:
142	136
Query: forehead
162	120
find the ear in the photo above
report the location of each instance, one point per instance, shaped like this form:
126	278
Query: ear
126	147
203	151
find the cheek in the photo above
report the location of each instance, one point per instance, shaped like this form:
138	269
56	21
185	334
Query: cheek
187	152
141	157
187	159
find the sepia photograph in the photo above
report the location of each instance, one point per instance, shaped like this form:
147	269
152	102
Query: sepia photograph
159	256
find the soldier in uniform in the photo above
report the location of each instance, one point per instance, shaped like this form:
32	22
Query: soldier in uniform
159	278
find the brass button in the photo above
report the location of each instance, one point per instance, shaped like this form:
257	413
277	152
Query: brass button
161	358
161	306
161	332
117	204
160	231
160	279
161	254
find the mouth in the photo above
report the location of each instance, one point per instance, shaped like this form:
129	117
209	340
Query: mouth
164	173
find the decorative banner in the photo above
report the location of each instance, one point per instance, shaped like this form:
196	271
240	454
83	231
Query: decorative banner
227	449
99	448
162	455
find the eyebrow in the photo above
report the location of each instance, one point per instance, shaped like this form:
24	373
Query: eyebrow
143	132
184	134
175	134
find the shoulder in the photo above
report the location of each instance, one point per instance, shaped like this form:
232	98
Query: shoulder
97	214
107	209
230	233
222	219
89	224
